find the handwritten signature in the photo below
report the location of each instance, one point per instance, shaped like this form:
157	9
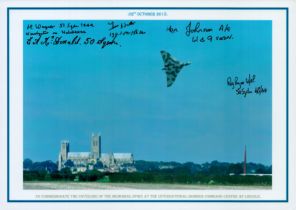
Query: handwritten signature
72	33
204	34
245	87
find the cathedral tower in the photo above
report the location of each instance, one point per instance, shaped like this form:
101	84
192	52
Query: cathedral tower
96	146
65	148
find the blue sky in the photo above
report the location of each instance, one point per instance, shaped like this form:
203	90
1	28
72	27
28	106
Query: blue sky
72	91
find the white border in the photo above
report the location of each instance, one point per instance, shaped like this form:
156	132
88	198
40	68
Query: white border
278	17
291	205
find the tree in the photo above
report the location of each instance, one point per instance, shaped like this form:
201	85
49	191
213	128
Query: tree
69	164
27	164
67	174
98	165
44	166
236	168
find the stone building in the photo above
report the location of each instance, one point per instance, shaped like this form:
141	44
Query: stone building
86	160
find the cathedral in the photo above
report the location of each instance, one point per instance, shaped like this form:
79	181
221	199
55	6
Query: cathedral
81	161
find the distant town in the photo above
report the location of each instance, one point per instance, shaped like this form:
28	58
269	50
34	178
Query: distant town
122	167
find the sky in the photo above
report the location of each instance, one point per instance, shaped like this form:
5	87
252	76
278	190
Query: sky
120	92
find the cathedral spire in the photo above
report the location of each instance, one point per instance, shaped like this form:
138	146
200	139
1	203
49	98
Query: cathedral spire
245	160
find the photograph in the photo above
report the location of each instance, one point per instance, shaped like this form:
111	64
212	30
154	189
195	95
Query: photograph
133	104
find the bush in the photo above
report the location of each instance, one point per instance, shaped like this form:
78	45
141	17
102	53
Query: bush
34	175
66	174
90	176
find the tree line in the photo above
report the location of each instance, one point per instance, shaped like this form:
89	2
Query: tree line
157	172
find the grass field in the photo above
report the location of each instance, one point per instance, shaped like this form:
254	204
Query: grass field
38	185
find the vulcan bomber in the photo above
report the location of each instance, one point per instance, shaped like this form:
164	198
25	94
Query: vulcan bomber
172	67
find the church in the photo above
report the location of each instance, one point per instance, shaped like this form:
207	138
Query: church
86	160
